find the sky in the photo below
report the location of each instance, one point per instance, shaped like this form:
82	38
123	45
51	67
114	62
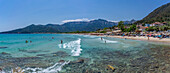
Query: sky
20	13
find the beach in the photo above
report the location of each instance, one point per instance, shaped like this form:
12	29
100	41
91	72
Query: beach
143	38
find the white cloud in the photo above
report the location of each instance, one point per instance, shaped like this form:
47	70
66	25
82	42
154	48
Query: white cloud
113	21
76	20
83	19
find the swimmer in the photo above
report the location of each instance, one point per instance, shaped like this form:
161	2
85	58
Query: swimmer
101	38
61	41
26	41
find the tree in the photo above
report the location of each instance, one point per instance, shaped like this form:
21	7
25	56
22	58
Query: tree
121	25
113	27
105	28
102	31
150	29
143	24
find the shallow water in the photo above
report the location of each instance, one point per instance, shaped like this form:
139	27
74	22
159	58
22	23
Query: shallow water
46	54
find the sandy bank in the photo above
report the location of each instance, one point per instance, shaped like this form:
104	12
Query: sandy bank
164	40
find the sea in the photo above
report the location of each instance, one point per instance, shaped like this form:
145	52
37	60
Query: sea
44	53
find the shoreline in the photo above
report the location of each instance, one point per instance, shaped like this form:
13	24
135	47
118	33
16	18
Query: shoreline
142	38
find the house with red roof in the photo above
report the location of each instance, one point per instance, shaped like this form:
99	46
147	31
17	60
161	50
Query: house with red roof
158	24
141	28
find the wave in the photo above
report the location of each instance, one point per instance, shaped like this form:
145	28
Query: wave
53	69
88	36
74	46
108	41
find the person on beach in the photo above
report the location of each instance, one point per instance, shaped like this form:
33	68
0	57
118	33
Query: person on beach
61	41
148	36
123	35
160	36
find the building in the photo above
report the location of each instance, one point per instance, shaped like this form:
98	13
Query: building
141	28
158	24
164	23
127	26
147	25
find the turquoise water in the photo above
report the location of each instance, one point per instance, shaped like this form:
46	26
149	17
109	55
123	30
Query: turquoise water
44	52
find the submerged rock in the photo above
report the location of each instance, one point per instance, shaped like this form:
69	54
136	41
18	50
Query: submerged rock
60	54
3	47
4	53
61	61
31	51
80	61
40	54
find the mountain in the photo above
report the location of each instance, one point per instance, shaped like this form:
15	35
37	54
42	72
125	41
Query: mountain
129	22
161	14
66	27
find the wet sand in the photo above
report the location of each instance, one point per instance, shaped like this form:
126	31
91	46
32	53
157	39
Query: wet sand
151	39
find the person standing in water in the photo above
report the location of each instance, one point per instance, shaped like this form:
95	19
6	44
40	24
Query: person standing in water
61	41
101	38
105	41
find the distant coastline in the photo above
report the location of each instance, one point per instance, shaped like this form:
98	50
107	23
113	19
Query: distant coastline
142	38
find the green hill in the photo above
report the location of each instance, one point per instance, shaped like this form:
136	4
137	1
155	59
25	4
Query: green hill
161	14
66	27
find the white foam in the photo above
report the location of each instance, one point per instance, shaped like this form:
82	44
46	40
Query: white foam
108	41
89	36
74	46
3	71
52	69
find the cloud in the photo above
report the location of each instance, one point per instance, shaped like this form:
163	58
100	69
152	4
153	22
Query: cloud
113	21
84	19
76	20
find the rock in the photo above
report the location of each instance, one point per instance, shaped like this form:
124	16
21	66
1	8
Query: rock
3	47
22	50
61	61
156	67
4	53
80	61
31	51
60	54
41	54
